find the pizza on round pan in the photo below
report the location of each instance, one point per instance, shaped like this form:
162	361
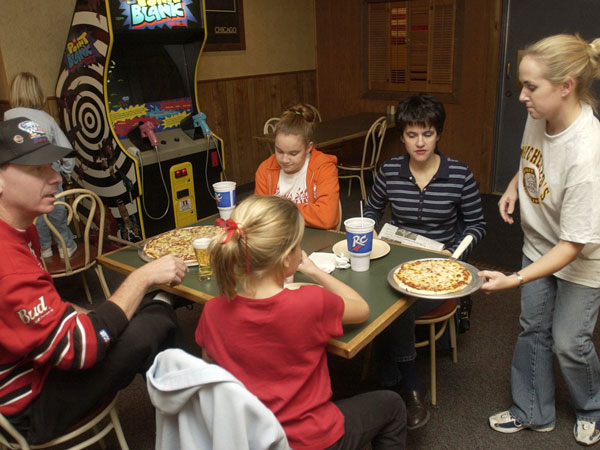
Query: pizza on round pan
432	276
178	242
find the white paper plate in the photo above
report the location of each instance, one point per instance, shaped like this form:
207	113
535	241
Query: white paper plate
380	248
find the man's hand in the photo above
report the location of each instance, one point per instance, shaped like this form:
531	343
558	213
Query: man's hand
164	270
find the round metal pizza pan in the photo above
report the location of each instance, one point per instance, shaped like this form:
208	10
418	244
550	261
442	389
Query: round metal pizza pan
473	286
147	258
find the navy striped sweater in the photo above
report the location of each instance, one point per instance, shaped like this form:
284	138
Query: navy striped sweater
447	209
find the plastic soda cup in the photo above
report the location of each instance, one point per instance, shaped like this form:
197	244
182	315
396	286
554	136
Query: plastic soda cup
359	237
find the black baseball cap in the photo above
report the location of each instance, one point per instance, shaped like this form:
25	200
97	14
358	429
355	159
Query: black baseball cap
22	141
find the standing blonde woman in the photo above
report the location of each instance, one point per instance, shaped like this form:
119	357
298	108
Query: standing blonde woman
27	100
557	185
300	172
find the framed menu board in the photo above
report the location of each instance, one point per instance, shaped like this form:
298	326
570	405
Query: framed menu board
224	25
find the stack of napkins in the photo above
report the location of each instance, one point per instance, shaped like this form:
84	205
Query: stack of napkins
327	262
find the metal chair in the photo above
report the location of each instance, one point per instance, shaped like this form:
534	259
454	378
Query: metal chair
338	227
444	315
82	206
370	158
316	111
268	128
14	440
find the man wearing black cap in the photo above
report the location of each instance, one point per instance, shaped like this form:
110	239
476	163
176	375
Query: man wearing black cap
56	363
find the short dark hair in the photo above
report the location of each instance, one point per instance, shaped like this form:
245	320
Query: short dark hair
421	109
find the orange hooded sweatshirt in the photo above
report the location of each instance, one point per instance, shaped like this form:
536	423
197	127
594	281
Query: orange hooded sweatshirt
322	209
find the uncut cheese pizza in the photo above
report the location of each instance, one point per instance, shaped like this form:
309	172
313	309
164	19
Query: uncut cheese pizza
178	242
432	277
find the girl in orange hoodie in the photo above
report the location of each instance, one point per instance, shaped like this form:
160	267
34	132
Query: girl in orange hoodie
300	172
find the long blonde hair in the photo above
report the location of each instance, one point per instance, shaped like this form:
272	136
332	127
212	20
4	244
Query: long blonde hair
566	55
26	92
298	120
266	230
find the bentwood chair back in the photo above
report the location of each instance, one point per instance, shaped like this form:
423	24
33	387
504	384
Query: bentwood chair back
85	212
338	227
103	419
315	111
370	157
444	315
269	128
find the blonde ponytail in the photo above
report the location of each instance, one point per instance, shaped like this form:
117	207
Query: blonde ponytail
263	230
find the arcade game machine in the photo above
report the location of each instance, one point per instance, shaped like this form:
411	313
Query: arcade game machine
127	101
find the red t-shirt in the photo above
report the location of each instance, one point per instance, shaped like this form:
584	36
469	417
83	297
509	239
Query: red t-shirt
276	348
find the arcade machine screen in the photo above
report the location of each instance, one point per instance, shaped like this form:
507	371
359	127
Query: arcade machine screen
145	84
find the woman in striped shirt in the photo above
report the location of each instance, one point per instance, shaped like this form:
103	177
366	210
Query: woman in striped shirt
434	196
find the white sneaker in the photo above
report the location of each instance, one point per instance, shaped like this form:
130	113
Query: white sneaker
70	251
47	253
586	432
505	422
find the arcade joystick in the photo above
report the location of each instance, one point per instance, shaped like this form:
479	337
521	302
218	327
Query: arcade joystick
147	131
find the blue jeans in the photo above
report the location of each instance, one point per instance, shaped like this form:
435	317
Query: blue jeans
557	317
58	218
397	342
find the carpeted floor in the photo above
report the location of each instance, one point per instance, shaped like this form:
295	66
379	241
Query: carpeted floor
468	392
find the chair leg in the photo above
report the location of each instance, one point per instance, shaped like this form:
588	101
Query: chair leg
363	189
432	364
86	288
101	442
114	417
102	280
349	186
453	340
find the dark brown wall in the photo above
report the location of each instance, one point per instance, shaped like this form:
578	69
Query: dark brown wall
469	130
237	109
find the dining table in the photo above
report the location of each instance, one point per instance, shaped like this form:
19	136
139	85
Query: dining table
385	303
336	131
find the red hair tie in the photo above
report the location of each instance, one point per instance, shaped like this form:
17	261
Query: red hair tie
231	226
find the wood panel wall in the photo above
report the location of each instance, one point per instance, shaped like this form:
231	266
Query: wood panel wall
470	125
237	109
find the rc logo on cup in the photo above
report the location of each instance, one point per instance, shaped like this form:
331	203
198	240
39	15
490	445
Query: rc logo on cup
225	199
361	243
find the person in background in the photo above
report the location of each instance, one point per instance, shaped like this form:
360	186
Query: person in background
27	100
300	172
58	360
274	339
434	196
557	186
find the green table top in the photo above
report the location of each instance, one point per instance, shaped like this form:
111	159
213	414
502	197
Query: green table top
385	303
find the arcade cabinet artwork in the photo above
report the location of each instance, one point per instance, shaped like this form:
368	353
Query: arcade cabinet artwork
128	103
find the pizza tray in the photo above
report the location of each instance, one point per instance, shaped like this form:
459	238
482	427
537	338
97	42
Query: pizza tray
473	286
147	258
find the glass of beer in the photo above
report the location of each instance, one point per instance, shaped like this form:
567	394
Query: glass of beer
201	250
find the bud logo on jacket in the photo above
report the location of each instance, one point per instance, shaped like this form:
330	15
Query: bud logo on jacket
34	314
